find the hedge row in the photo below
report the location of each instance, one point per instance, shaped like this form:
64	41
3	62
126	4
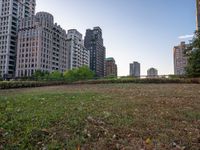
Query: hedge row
26	84
142	81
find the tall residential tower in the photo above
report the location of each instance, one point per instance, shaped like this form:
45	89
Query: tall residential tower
11	11
94	43
78	55
42	45
135	69
180	59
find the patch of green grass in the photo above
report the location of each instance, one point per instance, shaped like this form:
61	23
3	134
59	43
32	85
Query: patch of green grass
192	115
27	119
23	117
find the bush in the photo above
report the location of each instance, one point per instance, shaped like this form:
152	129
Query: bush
110	77
26	84
177	76
55	76
78	74
141	81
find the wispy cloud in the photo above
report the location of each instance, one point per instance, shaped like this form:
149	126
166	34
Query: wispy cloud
186	36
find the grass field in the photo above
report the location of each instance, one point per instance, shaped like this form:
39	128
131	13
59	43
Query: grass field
101	117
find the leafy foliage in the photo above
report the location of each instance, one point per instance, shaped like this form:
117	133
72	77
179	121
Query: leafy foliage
40	75
193	67
55	75
83	73
76	74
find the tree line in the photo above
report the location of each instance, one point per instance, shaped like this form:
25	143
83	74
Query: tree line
76	74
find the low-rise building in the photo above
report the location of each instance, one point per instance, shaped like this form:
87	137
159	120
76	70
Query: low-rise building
152	73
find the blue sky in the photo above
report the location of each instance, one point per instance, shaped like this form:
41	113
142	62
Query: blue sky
133	30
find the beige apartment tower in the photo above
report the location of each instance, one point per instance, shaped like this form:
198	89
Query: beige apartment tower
42	45
180	59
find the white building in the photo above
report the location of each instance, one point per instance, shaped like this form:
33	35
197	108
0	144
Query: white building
78	54
11	11
152	73
42	45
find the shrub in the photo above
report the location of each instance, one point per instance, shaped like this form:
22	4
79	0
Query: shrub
78	74
26	84
55	76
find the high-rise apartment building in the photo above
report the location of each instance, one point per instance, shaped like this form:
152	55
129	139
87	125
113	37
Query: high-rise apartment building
78	55
198	14
94	43
180	59
111	67
42	45
135	69
152	73
11	11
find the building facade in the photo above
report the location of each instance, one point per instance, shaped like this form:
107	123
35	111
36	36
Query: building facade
11	11
197	14
94	43
78	55
180	59
111	67
152	73
42	45
135	69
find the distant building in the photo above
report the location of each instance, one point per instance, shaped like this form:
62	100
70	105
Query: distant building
11	11
111	67
198	14
78	54
180	59
42	45
94	43
152	73
135	69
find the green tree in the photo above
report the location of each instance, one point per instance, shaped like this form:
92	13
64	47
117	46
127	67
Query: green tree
193	67
193	52
55	76
40	75
82	73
